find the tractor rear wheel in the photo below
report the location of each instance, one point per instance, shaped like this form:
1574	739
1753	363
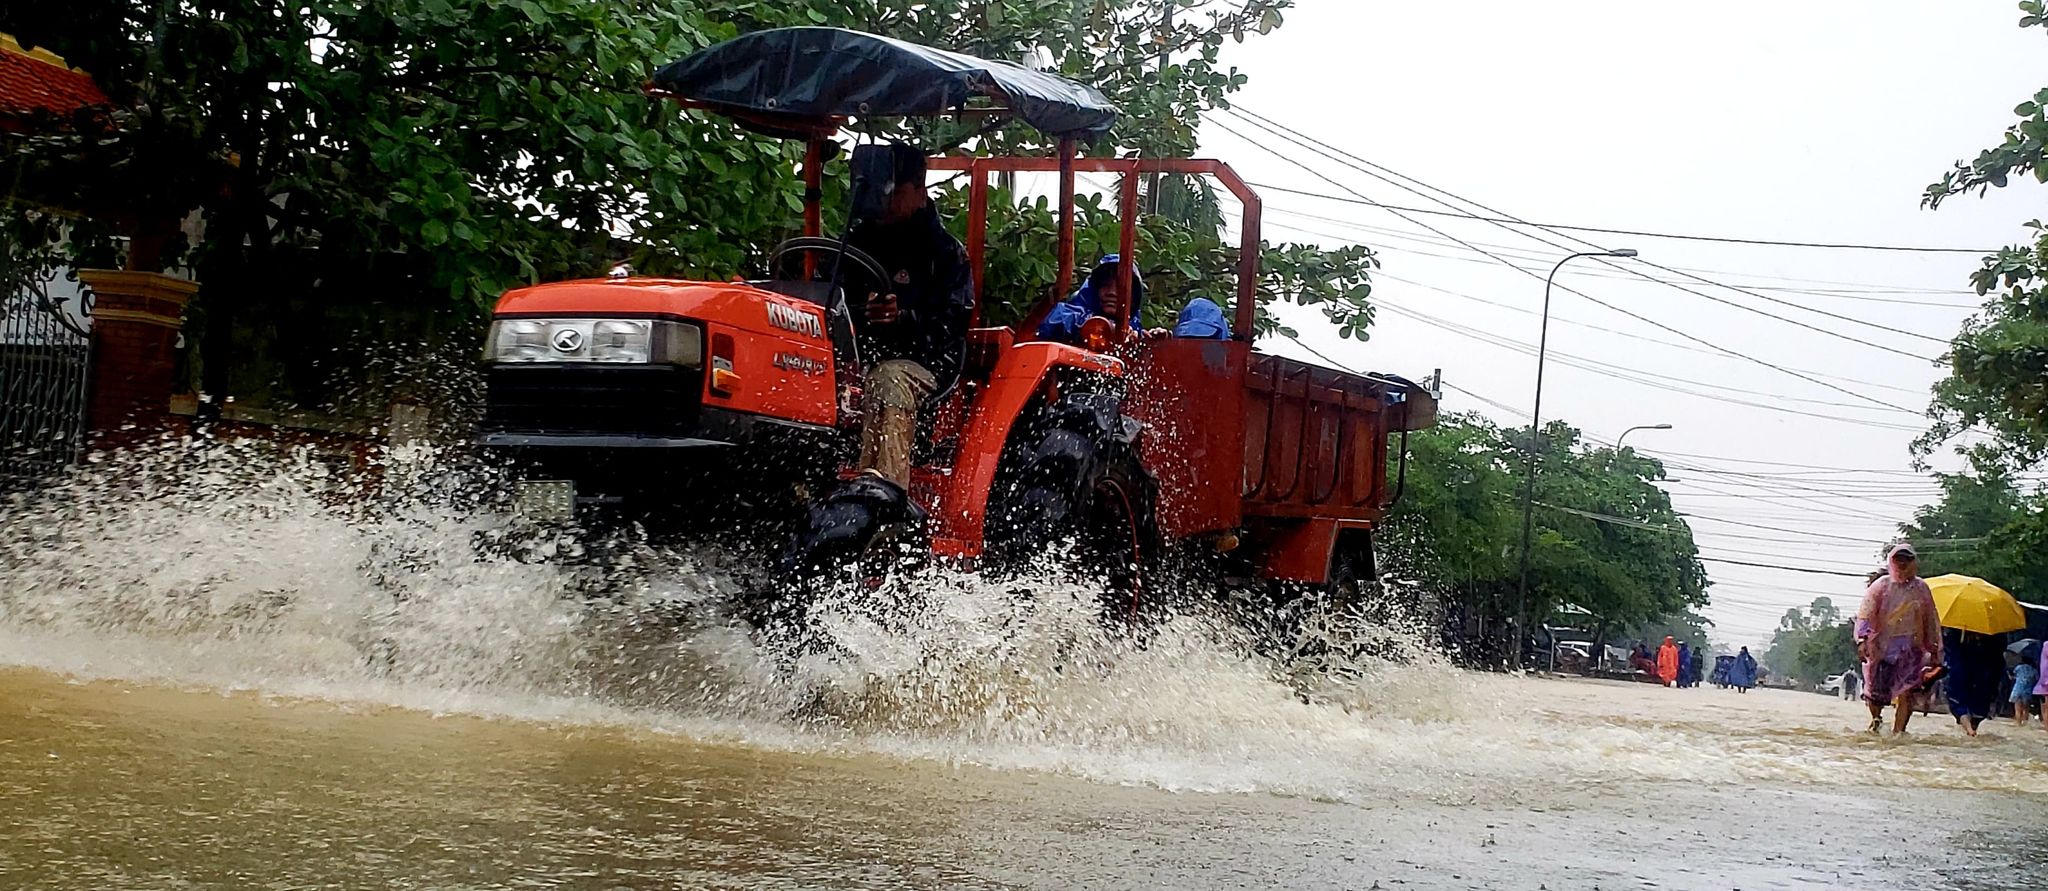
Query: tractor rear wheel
1083	483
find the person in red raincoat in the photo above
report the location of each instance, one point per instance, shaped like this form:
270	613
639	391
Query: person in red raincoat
1667	662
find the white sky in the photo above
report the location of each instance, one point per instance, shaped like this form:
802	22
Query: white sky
1815	121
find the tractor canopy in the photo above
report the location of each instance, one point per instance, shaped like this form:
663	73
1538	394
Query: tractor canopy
799	82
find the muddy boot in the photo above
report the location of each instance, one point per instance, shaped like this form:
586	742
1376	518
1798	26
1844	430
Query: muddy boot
846	521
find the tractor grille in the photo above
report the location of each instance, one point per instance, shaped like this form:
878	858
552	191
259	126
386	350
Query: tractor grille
639	400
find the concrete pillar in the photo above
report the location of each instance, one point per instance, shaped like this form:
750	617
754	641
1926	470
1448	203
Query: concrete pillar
136	317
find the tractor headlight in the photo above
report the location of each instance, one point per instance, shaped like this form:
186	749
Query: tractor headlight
597	341
624	341
678	343
518	340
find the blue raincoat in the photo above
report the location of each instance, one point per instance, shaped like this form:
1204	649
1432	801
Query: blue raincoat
1064	323
1686	676
1742	672
1202	318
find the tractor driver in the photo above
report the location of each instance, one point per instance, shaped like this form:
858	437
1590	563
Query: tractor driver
912	334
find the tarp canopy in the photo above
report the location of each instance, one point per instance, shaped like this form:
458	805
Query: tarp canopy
794	79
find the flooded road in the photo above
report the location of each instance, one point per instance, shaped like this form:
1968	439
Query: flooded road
111	784
229	677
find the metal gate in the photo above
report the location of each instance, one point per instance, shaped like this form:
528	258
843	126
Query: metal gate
44	360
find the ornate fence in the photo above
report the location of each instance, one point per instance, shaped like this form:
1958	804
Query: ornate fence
45	357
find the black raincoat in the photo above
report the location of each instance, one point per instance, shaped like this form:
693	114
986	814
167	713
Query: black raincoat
929	276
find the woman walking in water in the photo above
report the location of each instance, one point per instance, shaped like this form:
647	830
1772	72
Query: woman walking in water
1898	634
1976	667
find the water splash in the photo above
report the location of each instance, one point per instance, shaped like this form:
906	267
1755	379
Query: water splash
247	566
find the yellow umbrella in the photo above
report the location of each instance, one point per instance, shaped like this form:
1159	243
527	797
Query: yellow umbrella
1973	604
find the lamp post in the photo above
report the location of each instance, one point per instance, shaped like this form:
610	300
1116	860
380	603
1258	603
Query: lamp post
1624	434
1535	446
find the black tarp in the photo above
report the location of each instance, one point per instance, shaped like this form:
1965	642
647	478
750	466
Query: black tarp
807	75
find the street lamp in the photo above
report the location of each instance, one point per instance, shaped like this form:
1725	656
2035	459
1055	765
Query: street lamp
1535	443
1625	433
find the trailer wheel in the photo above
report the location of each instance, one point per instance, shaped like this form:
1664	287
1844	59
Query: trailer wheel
1353	574
1090	489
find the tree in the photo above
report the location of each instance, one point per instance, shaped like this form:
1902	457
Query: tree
1985	526
1782	655
1607	543
388	167
1830	649
1812	643
1999	358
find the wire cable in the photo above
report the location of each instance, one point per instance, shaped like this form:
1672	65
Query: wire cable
1332	153
1637	316
1852	290
1634	375
1238	108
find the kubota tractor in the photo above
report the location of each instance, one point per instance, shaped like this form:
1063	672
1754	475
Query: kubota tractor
735	402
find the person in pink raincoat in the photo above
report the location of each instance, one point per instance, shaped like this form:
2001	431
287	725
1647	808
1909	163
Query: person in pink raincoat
1898	634
2040	690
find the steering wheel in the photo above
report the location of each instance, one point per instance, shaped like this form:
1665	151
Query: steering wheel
829	251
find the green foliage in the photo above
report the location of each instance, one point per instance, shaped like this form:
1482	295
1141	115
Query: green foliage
1457	529
357	162
1812	643
1999	359
1985	526
1828	650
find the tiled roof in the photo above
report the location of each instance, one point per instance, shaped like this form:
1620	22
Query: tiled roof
35	81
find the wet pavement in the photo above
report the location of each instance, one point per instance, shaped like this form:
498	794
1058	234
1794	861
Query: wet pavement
112	784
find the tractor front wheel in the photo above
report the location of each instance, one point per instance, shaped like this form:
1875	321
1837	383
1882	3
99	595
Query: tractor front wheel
1084	487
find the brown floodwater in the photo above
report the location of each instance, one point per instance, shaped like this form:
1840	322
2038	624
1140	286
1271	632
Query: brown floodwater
116	784
230	678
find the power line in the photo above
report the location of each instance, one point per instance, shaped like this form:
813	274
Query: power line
1383	173
1805	569
1871	540
1781	484
1764	462
1270	187
1633	375
1855	291
1804	532
1634	315
1918	249
1624	521
1631	335
1610	518
1816	561
1819	495
1754	588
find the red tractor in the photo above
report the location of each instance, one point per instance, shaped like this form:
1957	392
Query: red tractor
737	400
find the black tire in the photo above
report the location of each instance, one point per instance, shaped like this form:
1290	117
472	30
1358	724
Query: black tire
1354	575
1077	477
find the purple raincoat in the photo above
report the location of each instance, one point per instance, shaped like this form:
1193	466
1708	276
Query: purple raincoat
1899	618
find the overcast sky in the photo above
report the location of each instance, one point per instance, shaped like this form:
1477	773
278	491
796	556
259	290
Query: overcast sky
1815	121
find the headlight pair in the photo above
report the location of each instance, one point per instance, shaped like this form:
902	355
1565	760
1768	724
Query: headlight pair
606	341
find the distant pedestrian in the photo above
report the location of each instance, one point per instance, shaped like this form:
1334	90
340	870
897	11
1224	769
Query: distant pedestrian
1699	665
1976	665
1686	677
1742	671
1667	662
1898	634
1640	659
2026	677
2041	686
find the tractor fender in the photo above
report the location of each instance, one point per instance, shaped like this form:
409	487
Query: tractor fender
1098	415
1021	375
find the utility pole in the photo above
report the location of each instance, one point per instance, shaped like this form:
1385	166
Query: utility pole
1153	182
1536	447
